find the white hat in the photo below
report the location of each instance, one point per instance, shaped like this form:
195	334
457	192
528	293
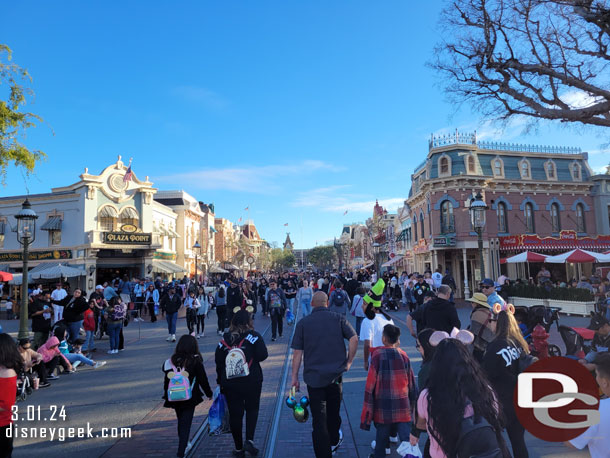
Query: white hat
99	287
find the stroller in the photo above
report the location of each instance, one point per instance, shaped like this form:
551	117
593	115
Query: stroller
25	385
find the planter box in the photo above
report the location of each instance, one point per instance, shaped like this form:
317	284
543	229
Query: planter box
567	307
576	308
527	301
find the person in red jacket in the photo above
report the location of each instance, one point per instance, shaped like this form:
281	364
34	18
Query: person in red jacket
89	326
11	364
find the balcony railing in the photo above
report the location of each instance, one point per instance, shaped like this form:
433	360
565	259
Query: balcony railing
462	138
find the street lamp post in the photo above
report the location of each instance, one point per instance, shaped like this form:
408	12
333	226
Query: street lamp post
26	234
196	249
478	209
376	247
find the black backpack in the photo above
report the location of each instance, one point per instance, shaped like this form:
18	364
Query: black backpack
477	440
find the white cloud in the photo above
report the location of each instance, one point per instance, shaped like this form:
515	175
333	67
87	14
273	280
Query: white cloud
201	96
334	199
255	179
579	99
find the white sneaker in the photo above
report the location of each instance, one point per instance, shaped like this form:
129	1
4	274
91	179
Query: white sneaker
394	439
199	336
99	364
173	337
169	338
335	447
388	451
76	364
111	352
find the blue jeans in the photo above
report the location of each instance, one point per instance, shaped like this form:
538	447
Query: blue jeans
74	330
73	357
171	322
114	329
359	320
290	304
306	304
89	341
383	436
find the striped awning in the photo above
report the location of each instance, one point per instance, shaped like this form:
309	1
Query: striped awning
129	212
167	267
108	212
392	261
52	224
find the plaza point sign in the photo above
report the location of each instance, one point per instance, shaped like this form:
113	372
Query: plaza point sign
123	238
567	240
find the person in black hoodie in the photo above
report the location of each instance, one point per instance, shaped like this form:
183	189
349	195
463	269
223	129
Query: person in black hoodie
40	312
235	297
242	380
501	363
186	357
74	308
440	314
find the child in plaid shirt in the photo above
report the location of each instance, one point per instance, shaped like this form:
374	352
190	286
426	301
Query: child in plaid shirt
390	391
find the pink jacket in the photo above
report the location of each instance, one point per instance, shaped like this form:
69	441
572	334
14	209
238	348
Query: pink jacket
49	353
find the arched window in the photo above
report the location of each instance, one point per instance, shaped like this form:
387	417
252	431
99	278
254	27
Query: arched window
415	239
444	166
447	221
530	224
555	219
502	218
498	167
107	218
549	167
580	219
129	215
576	172
472	168
524	168
421	225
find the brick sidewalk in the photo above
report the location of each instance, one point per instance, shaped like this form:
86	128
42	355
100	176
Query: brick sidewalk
156	434
222	446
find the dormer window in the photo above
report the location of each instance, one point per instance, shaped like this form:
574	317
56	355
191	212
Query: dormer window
471	166
524	169
444	166
551	172
576	171
497	167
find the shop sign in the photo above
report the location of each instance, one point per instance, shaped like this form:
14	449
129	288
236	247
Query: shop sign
421	246
566	240
164	255
37	255
443	241
123	238
129	228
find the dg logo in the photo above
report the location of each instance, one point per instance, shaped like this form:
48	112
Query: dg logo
556	399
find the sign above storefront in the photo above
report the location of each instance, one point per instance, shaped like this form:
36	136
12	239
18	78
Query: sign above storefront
124	238
37	255
129	228
443	241
164	255
421	246
567	240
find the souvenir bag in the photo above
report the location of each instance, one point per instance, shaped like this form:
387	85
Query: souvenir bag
179	388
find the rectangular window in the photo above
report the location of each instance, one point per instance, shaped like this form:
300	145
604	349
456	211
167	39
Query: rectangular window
1	240
55	237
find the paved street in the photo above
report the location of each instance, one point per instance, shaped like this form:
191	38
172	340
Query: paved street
126	394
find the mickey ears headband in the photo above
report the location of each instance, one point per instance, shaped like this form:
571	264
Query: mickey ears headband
508	308
466	337
248	309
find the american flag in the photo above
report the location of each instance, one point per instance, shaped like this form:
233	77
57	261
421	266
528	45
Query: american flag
286	224
247	208
239	220
345	213
128	174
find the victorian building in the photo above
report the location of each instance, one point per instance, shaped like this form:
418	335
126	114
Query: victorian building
539	198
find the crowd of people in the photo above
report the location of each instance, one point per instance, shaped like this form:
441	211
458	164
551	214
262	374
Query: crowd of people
461	397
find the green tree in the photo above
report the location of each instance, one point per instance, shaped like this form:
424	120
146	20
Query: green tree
13	121
323	256
288	259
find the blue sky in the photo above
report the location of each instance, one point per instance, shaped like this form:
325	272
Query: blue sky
298	110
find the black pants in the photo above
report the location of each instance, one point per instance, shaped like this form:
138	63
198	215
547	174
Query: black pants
151	311
246	399
221	312
6	443
121	339
277	321
325	405
41	370
200	323
263	303
517	440
185	420
51	365
191	320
